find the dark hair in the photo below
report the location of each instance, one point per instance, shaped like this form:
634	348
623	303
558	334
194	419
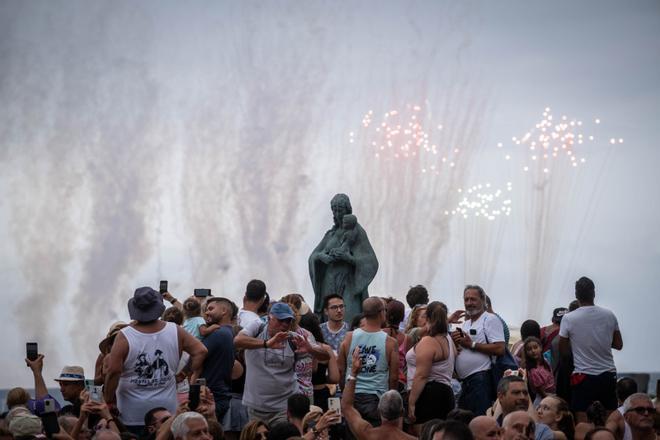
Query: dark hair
597	414
395	313
355	322
427	427
191	308
172	314
234	310
255	290
461	415
530	328
478	288
532	363
505	382
417	295
215	429
283	431
590	435
452	430
437	320
220	299
626	386
585	291
263	308
297	406
327	299
311	323
574	305
149	416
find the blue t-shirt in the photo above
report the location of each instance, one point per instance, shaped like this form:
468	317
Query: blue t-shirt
219	362
334	340
191	325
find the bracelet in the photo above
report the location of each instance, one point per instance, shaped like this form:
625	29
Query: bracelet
265	343
350	377
173	300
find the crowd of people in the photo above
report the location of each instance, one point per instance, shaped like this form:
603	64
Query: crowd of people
206	368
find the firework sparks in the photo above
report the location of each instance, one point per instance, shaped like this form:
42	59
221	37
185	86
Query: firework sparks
406	134
483	201
553	140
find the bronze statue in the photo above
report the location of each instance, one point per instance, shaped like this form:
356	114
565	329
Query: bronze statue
344	261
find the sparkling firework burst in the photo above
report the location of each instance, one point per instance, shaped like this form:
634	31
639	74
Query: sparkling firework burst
406	135
483	201
554	140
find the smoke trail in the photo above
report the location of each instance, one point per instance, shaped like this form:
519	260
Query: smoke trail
42	170
254	153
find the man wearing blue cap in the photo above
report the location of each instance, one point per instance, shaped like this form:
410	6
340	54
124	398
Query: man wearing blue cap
270	355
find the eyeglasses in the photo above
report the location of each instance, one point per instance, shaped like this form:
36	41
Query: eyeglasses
641	410
337	307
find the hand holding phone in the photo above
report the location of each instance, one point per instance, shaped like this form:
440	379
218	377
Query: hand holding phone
334	404
163	286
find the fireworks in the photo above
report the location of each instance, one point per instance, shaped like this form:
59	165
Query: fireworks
407	134
553	140
483	201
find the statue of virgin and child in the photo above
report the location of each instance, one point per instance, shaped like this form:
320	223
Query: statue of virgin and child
343	263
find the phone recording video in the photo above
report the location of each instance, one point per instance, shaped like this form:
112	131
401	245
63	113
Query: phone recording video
193	396
163	286
31	351
202	292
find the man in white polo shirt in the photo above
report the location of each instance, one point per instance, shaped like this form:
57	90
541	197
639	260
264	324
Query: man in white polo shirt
590	333
480	337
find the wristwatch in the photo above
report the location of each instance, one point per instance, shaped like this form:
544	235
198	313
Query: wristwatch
474	345
350	377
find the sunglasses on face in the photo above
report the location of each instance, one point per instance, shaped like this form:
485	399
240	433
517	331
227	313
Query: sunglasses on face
641	410
286	320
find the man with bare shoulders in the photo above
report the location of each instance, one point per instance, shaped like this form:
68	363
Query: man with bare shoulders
143	360
379	360
390	408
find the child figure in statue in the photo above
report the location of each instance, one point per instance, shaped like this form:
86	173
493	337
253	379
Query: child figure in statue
348	237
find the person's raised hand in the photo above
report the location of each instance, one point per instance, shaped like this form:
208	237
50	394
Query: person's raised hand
206	405
331	417
36	365
302	344
356	361
277	341
455	318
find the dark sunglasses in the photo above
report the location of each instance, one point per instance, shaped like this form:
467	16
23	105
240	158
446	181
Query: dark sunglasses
641	410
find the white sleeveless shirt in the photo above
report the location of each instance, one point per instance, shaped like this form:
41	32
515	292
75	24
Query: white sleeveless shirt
148	377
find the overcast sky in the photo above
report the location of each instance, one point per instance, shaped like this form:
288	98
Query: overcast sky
201	142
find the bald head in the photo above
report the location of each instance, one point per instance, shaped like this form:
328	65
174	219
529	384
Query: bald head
485	428
372	307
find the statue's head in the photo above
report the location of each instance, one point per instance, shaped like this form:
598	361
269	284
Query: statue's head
340	205
348	221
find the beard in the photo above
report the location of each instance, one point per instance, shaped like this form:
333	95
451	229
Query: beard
475	311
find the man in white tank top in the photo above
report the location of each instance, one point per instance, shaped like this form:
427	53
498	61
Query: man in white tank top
143	360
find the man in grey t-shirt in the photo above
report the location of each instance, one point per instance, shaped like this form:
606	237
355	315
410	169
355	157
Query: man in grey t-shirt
270	355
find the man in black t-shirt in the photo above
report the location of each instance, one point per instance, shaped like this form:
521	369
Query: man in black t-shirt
220	359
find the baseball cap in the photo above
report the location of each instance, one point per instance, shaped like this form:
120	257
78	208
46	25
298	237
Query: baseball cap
281	310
